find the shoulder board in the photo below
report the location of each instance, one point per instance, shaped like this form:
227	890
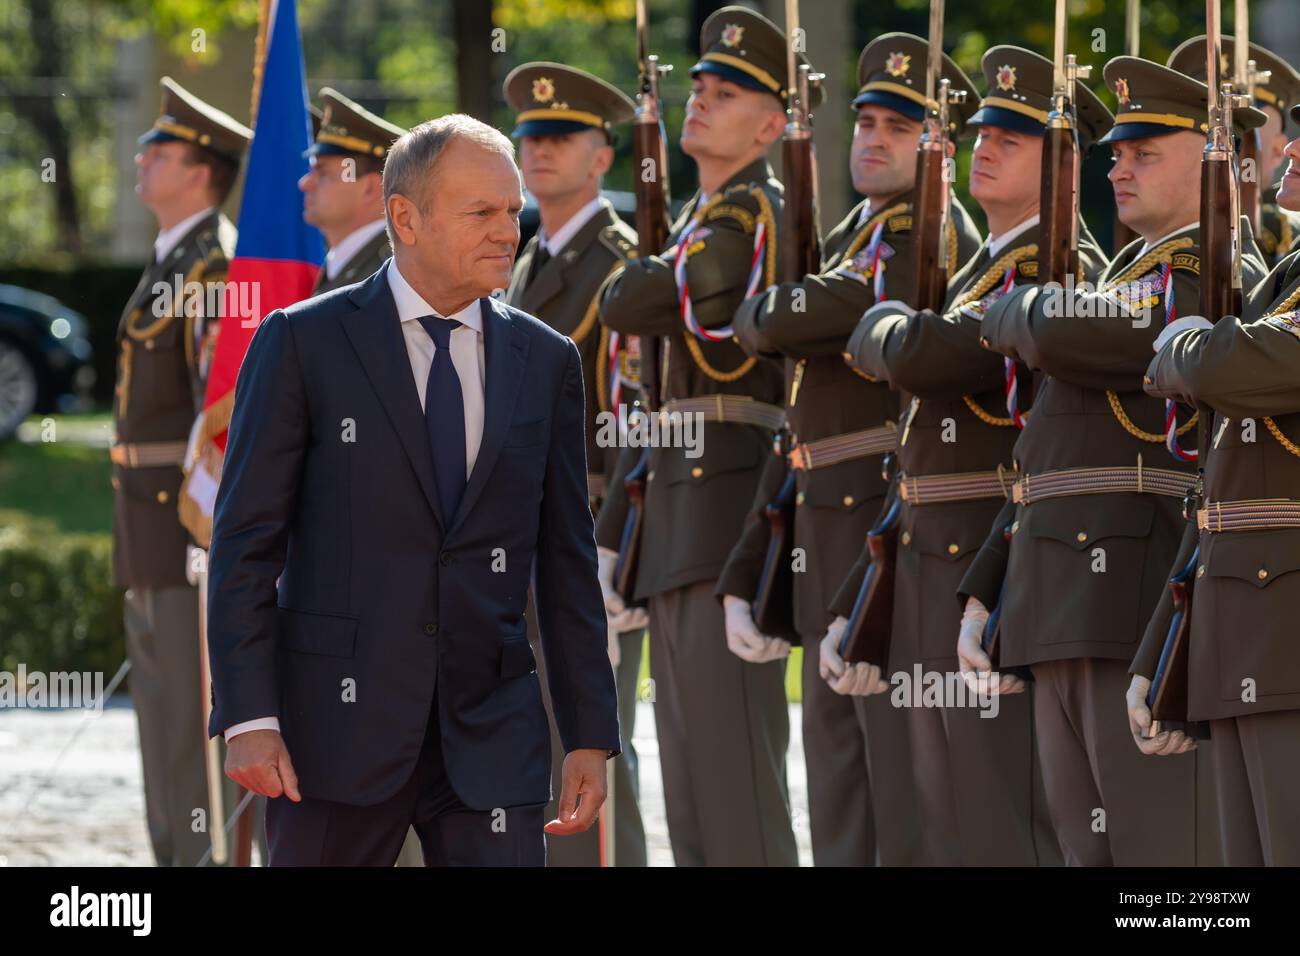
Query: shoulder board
728	210
900	223
1187	261
618	241
1028	268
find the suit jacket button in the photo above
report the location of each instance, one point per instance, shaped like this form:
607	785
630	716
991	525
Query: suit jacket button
431	629
445	559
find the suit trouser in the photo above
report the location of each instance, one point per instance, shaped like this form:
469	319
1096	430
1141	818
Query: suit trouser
981	792
326	833
1257	773
723	730
1111	804
583	849
861	800
162	642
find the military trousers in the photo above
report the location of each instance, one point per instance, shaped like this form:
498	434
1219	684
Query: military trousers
162	642
723	728
1111	804
1257	776
980	787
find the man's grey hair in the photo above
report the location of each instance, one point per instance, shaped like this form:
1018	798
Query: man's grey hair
412	161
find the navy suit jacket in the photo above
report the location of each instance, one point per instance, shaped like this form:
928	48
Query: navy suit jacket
341	601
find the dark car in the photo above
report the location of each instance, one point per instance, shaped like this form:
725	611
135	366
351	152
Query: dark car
45	357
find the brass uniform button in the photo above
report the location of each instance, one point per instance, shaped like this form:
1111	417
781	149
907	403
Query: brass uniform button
162	497
1262	574
697	471
800	498
148	343
907	537
952	549
1200	572
1081	537
848	501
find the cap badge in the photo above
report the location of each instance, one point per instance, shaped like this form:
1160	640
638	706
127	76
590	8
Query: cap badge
1121	91
732	34
543	89
1006	77
897	64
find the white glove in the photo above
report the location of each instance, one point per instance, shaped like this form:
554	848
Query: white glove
744	639
630	619
855	680
1139	722
976	668
605	561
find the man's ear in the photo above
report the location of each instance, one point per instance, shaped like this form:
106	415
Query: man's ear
773	125
604	159
404	216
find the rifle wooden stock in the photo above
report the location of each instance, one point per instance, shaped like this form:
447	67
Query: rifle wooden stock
1058	252
629	545
871	622
1250	201
799	244
652	233
1167	697
1219	296
927	215
774	600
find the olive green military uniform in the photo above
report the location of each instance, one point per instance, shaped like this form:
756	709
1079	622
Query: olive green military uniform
723	723
862	800
1090	555
347	129
164	347
1278	227
980	787
561	287
1244	667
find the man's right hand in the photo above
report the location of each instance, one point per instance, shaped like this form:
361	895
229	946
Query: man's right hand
1163	744
259	761
855	680
975	666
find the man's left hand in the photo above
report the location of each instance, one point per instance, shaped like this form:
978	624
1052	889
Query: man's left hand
581	794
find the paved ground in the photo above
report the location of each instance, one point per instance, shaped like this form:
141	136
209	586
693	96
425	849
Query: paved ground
89	810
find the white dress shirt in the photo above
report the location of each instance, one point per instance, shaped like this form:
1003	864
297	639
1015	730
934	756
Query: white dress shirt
350	245
168	238
467	355
555	244
1148	246
996	245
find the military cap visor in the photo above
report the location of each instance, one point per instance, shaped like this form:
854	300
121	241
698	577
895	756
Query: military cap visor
1019	96
892	73
551	99
1157	101
1281	90
1004	118
893	101
348	129
186	118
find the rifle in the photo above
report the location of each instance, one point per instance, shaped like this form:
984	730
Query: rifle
800	256
1058	255
1123	235
866	637
1220	295
1244	79
650	185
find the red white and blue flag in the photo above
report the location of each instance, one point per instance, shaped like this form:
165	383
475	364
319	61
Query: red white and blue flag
277	255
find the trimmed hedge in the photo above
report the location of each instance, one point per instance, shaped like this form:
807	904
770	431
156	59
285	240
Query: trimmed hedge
59	610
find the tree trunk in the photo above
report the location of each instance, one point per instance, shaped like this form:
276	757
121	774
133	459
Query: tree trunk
476	83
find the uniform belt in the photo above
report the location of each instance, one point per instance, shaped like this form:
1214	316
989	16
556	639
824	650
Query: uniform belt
960	486
148	454
1259	514
735	409
595	486
1068	482
811	455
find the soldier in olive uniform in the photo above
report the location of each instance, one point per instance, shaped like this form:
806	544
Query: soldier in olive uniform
186	169
1278	227
861	796
1244	667
980	788
722	722
565	121
343	192
1095	517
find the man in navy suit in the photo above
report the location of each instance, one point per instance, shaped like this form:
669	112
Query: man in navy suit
405	455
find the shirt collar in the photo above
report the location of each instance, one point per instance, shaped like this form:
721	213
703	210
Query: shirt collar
411	305
564	235
864	215
168	239
998	243
1148	246
350	245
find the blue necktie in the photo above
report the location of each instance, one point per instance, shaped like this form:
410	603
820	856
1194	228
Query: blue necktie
444	417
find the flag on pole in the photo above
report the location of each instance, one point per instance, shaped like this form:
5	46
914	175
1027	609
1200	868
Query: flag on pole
277	255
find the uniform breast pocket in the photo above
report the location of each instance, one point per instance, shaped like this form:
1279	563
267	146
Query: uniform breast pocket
1251	590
